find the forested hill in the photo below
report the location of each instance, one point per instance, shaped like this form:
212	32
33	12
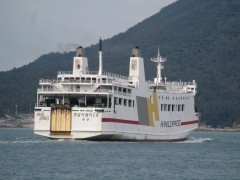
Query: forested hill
200	38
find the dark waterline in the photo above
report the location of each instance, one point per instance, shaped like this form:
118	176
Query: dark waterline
206	155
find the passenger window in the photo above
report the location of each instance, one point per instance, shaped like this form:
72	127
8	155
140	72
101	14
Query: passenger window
120	101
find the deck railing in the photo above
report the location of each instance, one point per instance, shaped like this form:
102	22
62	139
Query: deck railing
174	83
95	73
88	81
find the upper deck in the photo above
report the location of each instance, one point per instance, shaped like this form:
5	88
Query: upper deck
81	80
83	88
92	81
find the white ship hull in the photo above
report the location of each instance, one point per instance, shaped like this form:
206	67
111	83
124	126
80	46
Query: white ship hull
117	136
105	106
86	127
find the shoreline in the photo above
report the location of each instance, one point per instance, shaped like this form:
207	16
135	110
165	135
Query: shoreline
16	126
227	129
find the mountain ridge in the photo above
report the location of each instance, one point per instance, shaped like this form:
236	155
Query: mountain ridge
201	40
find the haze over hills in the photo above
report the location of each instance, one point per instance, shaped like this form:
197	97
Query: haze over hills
200	38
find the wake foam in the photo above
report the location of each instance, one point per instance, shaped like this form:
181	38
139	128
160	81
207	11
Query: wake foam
196	140
3	142
30	141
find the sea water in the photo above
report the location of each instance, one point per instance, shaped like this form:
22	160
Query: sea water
206	155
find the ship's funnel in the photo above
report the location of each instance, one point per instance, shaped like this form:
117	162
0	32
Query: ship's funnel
136	68
80	52
136	52
80	62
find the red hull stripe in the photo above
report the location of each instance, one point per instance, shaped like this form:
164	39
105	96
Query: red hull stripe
119	121
189	122
136	122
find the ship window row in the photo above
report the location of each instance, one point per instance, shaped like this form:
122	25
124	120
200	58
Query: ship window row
174	98
172	107
83	80
123	102
122	90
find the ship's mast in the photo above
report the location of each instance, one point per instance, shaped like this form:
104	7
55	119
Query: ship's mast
159	60
100	58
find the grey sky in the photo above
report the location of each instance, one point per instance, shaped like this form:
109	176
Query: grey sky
30	28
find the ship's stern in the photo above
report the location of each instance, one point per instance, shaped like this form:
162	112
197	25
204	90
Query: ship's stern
64	122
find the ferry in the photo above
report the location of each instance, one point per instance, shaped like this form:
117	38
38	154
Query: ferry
87	105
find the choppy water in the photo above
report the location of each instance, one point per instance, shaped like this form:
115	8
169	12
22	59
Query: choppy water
206	155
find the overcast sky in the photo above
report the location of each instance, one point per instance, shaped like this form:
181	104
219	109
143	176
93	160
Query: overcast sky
30	28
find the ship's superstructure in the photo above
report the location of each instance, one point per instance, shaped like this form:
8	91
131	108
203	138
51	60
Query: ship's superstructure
83	104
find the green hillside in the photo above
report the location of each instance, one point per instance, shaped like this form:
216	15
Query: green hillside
200	38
